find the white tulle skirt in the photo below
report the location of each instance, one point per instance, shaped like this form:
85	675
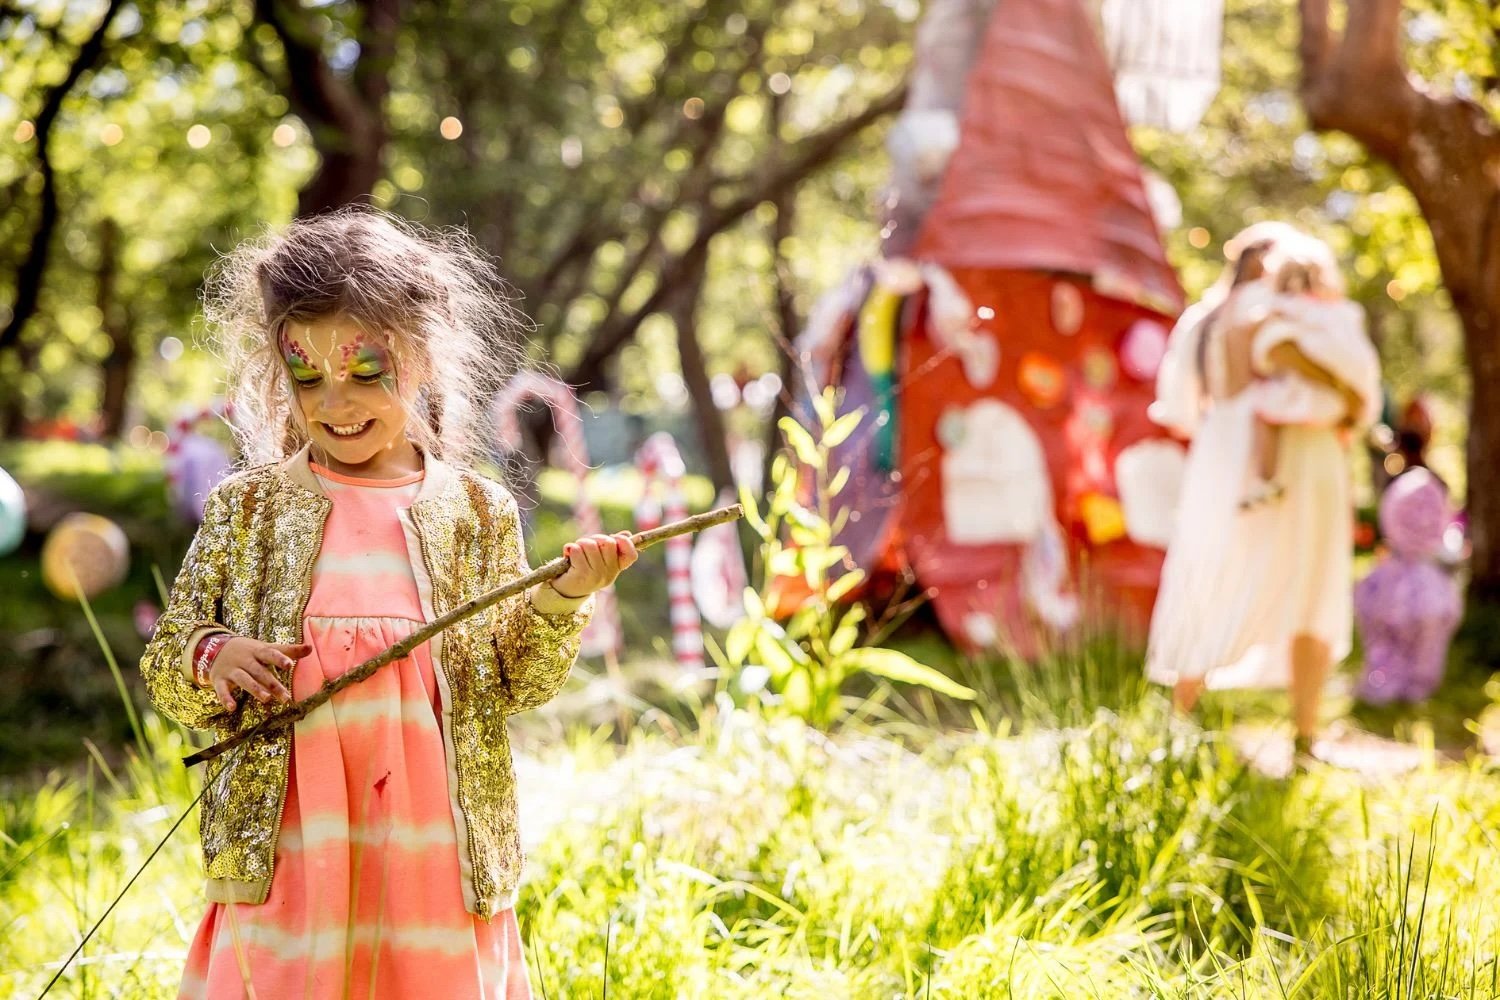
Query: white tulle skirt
1237	585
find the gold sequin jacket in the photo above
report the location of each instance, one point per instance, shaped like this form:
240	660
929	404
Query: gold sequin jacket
249	572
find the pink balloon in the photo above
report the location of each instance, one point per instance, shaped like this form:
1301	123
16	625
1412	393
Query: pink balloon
1142	349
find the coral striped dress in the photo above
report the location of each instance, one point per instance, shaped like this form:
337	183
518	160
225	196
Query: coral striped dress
365	899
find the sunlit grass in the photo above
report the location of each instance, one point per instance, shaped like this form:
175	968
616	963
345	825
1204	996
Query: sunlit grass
1121	854
1062	836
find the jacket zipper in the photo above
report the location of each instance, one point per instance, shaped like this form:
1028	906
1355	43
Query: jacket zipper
449	744
286	767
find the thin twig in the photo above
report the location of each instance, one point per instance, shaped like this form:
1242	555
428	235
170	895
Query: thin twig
549	571
116	902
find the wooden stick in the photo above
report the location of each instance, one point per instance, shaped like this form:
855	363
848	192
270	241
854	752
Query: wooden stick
549	571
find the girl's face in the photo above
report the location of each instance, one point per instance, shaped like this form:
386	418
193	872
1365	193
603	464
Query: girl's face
344	381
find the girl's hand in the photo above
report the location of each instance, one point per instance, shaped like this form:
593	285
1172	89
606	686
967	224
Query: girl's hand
594	562
245	665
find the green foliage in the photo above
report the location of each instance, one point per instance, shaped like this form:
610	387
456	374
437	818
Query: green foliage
1120	858
806	663
122	153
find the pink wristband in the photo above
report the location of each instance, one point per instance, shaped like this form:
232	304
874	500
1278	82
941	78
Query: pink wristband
204	656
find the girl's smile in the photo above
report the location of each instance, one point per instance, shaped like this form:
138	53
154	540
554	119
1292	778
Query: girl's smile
344	380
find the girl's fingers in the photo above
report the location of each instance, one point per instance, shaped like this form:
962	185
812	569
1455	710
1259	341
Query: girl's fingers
249	683
272	656
609	555
589	552
221	688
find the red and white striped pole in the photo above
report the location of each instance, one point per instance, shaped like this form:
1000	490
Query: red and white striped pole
661	465
603	636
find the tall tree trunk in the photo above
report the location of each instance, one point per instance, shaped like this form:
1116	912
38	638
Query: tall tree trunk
683	312
13	418
119	364
1446	150
346	116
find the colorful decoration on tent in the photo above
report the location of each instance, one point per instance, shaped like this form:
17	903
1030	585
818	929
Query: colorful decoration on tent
1103	518
996	487
718	572
877	352
12	514
1067	308
195	463
1099	369
1043	381
661	466
1141	351
1148	475
84	554
1407	608
603	636
953	322
1088	431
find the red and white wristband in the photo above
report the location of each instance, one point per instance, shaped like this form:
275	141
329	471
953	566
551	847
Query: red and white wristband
204	656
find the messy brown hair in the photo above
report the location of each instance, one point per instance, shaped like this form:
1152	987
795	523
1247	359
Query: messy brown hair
450	320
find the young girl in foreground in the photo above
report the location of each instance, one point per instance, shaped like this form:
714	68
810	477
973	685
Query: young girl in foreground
373	850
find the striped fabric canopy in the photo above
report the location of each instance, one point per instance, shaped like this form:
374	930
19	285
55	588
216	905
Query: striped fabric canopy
1165	55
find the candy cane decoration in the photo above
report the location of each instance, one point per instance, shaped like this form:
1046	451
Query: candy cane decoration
661	464
603	635
195	461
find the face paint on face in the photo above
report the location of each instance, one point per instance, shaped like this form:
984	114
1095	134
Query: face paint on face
344	382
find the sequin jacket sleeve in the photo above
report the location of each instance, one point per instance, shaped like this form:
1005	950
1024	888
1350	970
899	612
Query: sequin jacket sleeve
193	606
535	650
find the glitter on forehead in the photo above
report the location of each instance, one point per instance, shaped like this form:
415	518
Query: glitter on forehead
324	354
360	349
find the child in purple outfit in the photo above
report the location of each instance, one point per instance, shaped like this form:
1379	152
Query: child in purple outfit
1408	608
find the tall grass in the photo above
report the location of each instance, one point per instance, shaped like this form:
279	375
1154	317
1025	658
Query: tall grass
1078	843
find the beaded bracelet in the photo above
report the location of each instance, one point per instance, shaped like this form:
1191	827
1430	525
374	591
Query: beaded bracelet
207	652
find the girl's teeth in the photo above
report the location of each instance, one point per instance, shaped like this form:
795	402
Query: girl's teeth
348	431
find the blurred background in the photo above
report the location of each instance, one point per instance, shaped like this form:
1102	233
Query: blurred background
710	210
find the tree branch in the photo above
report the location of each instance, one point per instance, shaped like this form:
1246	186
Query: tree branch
32	270
1316	39
347	122
808	155
1359	84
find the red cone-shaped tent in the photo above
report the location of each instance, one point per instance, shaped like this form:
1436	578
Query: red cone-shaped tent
1042	221
1044	177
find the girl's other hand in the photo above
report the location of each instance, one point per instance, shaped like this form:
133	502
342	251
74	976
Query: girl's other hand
245	665
594	562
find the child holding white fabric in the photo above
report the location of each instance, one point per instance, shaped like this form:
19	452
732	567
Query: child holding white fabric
1304	306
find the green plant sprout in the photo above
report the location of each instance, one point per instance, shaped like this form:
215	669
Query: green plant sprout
805	664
